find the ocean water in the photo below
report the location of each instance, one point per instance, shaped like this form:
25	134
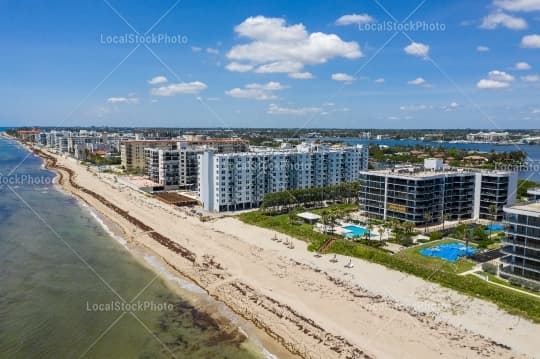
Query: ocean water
61	274
530	171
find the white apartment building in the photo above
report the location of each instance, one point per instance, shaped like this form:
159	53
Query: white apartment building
487	136
237	181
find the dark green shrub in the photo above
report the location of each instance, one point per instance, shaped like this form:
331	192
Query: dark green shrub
489	268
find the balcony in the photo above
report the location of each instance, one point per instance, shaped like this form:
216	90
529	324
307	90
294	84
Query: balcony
532	243
520	273
520	263
521	252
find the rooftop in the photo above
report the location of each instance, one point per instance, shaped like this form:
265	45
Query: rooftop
214	140
309	216
420	172
533	206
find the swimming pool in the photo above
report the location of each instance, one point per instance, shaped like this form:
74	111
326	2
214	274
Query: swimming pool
354	231
449	252
495	227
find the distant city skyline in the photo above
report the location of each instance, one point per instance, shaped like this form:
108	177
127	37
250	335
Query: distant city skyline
334	64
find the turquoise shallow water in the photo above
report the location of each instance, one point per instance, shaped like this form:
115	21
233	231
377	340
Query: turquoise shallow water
52	301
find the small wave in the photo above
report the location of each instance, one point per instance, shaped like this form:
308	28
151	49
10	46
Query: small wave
267	354
103	225
160	268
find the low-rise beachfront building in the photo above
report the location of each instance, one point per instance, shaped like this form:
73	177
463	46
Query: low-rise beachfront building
239	181
522	242
132	152
163	166
177	168
426	196
189	167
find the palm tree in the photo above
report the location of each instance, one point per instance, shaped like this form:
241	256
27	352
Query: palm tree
409	227
467	238
427	218
291	215
324	219
332	221
445	218
386	226
369	228
492	209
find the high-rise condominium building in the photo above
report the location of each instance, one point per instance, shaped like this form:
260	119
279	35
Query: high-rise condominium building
522	242
427	195
237	181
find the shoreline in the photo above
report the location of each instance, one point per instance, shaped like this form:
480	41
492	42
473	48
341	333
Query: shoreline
270	309
187	289
190	288
173	279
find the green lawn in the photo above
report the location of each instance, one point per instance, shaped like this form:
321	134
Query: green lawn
494	278
410	261
281	223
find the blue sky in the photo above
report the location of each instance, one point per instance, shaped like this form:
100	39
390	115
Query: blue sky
271	64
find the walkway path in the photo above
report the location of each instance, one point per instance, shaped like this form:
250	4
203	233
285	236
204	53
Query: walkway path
472	272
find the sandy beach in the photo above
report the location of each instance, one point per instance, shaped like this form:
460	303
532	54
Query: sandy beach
313	307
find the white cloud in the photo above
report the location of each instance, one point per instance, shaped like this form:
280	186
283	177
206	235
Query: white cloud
451	107
196	49
157	80
237	67
179	88
417	81
280	67
254	94
417	49
269	86
379	81
522	66
301	75
343	77
212	51
518	5
414	107
491	84
496	19
354	19
531	41
256	91
127	100
496	75
495	80
530	78
482	48
275	46
274	109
